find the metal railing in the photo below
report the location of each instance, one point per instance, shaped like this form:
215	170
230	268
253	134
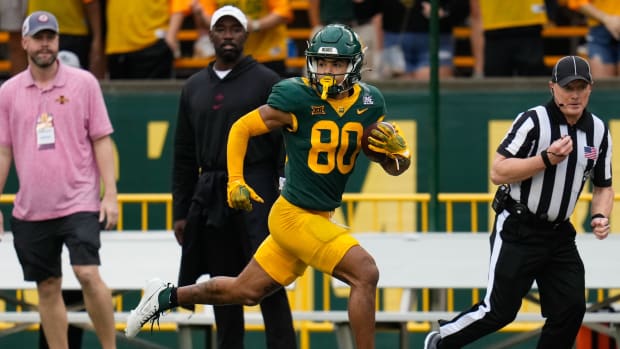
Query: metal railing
475	199
303	295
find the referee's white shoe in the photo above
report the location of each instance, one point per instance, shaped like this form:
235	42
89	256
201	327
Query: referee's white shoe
432	340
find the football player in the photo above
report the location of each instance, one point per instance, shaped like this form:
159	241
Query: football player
322	118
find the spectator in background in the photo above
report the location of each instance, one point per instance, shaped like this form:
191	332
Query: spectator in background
603	38
54	124
12	13
560	14
415	39
179	9
217	240
135	42
70	297
267	21
321	13
80	30
406	40
506	37
69	58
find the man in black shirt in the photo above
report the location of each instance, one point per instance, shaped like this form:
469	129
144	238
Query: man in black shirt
542	165
217	240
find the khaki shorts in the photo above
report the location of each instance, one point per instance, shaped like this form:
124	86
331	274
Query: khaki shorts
12	14
299	238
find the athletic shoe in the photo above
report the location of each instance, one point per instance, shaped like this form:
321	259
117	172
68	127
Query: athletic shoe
148	309
432	340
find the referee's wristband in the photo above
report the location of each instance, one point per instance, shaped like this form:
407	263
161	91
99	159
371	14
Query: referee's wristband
545	158
598	215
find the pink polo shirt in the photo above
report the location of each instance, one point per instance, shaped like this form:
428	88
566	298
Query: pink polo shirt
60	178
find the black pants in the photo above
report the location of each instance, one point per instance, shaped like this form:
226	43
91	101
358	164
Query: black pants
522	253
78	44
224	251
228	250
153	62
514	52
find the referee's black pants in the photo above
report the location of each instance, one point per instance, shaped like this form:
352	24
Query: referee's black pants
522	253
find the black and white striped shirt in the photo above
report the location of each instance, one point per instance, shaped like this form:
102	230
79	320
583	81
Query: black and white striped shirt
554	192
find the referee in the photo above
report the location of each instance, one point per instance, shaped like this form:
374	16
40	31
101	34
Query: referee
546	158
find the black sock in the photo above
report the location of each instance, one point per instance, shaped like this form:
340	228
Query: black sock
168	299
173	298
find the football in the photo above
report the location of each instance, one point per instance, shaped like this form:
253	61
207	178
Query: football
370	154
395	167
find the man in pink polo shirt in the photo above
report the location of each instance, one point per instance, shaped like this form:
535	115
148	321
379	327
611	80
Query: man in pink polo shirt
54	123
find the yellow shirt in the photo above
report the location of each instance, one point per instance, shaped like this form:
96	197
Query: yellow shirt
610	7
264	45
185	6
135	24
498	14
70	14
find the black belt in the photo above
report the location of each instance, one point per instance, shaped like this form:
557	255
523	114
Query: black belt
522	213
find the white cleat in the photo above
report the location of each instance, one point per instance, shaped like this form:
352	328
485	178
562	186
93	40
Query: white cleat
147	309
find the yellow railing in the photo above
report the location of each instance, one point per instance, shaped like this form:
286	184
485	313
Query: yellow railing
145	200
305	297
7	198
474	199
471	198
349	200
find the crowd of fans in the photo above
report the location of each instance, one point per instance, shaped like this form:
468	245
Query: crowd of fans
116	39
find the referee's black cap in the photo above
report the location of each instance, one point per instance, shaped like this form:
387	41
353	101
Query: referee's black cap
571	68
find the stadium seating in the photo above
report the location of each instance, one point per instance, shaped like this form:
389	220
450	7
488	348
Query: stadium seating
563	40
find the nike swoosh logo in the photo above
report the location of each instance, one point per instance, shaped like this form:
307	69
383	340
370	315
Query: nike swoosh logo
361	111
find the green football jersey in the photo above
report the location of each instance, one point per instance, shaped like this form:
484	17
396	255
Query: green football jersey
324	141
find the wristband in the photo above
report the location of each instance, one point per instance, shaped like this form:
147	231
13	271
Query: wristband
598	215
255	26
545	158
